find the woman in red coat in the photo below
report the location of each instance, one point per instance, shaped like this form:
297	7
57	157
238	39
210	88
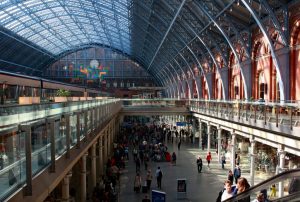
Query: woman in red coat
208	158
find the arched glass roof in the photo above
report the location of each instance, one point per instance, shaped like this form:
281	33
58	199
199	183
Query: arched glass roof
167	37
59	25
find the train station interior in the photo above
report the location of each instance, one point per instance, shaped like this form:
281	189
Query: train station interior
149	100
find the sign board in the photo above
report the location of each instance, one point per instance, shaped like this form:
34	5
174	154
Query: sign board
180	123
158	196
181	188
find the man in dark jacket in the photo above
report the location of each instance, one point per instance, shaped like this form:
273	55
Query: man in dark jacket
199	164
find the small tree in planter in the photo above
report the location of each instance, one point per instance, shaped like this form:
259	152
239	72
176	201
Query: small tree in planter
62	95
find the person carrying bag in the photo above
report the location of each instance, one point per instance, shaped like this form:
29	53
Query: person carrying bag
137	183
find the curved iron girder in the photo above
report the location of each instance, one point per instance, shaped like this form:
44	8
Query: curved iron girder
232	48
236	33
213	58
274	57
174	78
208	24
167	32
164	77
182	70
186	78
160	80
167	78
157	17
275	22
182	41
171	87
167	53
212	40
180	89
178	51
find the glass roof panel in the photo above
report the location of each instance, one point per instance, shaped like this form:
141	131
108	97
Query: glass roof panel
59	25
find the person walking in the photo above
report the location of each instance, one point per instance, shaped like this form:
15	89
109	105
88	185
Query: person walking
174	159
223	160
208	158
237	173
137	165
179	144
199	164
137	183
149	179
159	176
230	176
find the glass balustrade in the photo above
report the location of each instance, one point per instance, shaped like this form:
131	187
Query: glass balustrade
13	139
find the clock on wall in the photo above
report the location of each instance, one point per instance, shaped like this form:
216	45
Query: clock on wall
94	63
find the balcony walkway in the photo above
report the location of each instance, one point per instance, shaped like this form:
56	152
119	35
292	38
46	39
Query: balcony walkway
200	186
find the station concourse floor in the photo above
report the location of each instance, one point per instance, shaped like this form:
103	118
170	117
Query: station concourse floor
201	187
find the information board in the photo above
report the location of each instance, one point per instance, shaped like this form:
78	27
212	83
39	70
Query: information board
180	123
158	196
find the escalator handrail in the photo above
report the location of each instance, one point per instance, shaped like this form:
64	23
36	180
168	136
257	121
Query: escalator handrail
267	183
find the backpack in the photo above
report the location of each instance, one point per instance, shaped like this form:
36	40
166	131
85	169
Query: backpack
160	174
237	172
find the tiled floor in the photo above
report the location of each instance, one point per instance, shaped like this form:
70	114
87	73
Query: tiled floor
202	187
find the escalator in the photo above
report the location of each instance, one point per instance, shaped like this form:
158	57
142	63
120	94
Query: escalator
290	183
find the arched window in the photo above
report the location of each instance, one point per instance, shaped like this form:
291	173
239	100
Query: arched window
219	89
262	85
236	87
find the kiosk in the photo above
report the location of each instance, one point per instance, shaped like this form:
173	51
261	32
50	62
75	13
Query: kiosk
181	188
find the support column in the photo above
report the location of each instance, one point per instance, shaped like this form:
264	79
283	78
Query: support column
65	196
233	142
252	160
28	150
108	140
100	161
93	165
219	143
281	154
83	178
208	136
105	147
200	133
194	130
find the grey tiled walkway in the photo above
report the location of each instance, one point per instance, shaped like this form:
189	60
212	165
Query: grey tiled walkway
202	187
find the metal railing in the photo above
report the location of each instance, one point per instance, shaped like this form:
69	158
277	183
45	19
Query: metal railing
287	178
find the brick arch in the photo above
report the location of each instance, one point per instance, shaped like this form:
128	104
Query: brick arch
295	61
235	73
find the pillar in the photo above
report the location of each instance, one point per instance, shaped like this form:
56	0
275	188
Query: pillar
93	165
194	130
208	136
281	154
65	187
108	140
233	142
105	147
200	133
252	160
83	178
219	143
100	161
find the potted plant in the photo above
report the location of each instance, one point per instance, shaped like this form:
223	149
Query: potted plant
62	95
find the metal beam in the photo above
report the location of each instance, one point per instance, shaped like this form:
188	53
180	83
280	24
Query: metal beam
167	32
